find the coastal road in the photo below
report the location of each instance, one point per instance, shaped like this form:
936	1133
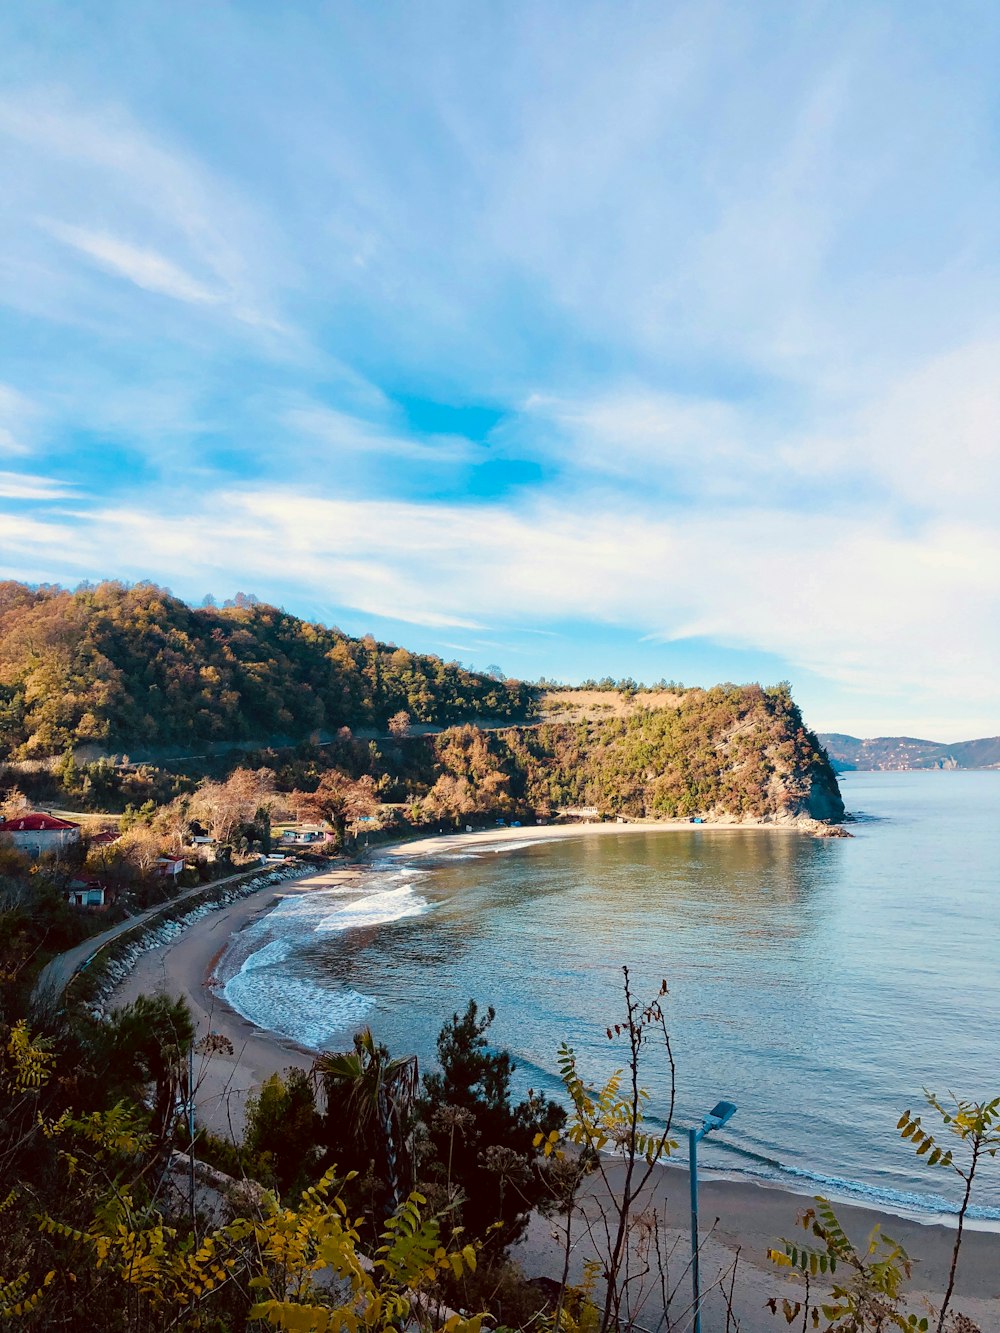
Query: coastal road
56	975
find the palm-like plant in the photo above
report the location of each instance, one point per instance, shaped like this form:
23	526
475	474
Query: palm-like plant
369	1097
146	1043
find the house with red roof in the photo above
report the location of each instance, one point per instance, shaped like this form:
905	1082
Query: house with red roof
40	832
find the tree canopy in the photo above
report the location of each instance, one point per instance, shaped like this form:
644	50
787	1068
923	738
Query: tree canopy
133	666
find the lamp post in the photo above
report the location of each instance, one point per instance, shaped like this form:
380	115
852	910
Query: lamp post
720	1114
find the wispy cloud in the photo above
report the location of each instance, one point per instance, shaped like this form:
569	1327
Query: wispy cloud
177	231
18	416
344	433
145	268
837	597
21	486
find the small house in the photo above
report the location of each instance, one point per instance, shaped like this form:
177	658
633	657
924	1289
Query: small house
302	835
169	865
88	892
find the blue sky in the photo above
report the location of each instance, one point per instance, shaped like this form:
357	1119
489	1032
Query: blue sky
581	339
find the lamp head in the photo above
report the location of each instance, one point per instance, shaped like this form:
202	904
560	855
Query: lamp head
720	1114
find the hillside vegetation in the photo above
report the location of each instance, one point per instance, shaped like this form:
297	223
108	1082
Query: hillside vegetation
736	751
132	667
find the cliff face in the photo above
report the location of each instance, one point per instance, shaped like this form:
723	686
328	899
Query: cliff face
824	800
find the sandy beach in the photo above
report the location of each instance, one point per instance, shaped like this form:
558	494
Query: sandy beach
187	968
744	1219
443	843
751	1217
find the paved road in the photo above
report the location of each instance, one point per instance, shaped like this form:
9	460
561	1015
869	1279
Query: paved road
56	975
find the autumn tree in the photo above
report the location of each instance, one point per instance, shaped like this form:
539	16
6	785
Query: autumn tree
122	666
399	724
14	804
450	798
338	800
140	848
226	806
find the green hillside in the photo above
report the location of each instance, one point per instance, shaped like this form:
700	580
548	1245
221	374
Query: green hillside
134	667
736	751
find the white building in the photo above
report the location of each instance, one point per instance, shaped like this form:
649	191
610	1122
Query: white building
40	832
87	893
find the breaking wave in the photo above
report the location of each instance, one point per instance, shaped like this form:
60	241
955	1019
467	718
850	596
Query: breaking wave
266	990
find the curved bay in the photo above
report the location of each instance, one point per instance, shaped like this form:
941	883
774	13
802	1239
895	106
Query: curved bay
819	984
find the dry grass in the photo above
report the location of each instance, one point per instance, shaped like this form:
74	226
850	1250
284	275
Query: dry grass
586	705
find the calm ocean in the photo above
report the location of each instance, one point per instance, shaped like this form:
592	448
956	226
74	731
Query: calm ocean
819	984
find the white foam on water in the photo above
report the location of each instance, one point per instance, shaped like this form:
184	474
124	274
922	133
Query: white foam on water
274	952
292	1006
375	909
271	997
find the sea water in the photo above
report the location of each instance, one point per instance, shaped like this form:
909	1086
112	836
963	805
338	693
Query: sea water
818	984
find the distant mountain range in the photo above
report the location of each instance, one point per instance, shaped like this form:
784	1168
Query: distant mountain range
906	752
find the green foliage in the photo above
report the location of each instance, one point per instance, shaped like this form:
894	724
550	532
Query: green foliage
297	1246
976	1128
864	1288
35	923
124	666
26	1062
480	1147
89	1242
867	1294
17	1300
369	1098
606	1119
610	1123
976	1124
739	750
281	1132
735	750
144	1043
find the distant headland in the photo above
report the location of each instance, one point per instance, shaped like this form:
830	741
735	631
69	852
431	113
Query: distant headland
905	753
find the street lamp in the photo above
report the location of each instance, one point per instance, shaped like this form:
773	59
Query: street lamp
720	1114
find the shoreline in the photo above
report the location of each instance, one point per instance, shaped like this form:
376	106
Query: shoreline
754	1214
432	844
743	1219
204	991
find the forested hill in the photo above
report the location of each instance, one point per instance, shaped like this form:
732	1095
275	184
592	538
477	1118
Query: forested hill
731	752
134	667
908	752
